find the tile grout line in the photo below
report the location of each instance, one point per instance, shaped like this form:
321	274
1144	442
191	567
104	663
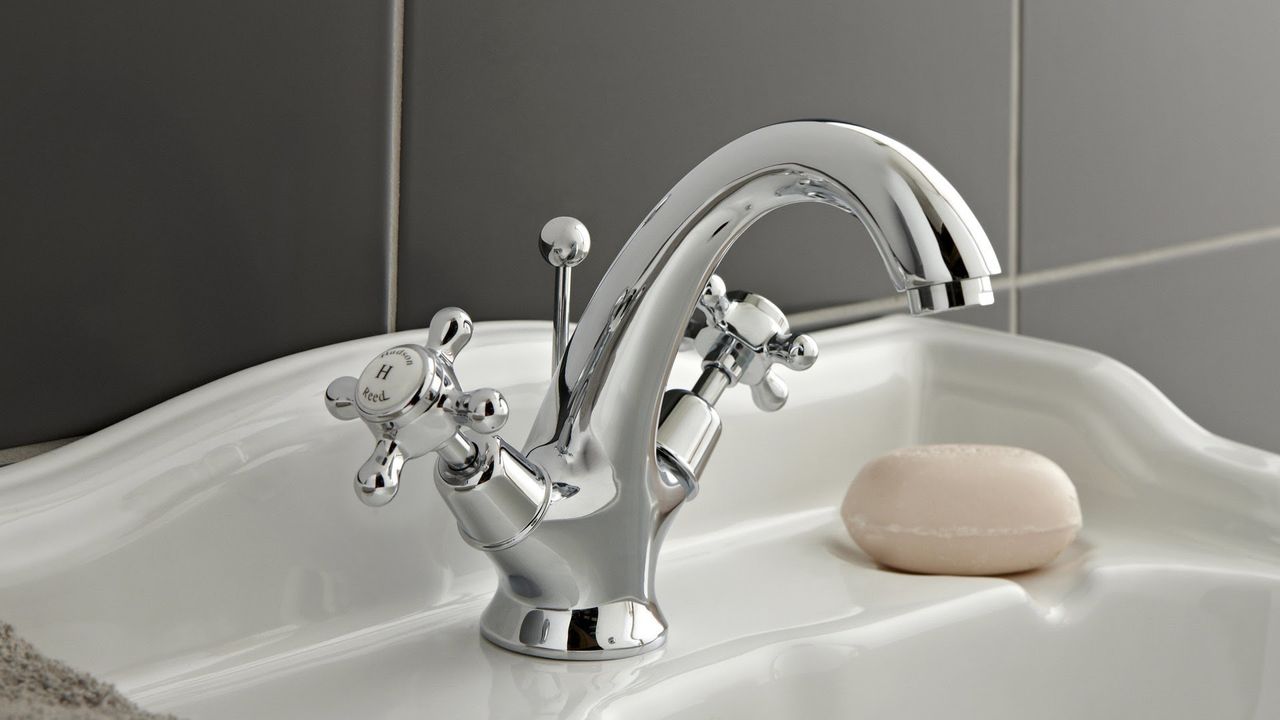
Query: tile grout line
1089	268
396	102
864	309
1015	164
838	314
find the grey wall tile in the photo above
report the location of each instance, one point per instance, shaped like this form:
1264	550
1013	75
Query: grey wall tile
522	111
1196	327
1146	123
188	189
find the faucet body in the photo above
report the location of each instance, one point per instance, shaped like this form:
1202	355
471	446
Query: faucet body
578	582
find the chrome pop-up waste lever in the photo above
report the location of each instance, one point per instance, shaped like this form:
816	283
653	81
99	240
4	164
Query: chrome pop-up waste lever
564	243
574	524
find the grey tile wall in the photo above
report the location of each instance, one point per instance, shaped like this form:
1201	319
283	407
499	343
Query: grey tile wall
186	189
1203	329
517	112
1153	127
1146	123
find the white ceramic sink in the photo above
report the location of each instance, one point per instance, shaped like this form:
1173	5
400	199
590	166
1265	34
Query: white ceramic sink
210	558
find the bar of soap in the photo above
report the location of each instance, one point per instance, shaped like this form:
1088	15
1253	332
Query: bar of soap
962	509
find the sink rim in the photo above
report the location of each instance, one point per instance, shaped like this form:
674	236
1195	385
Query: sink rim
1254	474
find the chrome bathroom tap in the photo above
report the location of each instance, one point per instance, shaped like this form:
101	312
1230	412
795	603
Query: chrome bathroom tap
574	523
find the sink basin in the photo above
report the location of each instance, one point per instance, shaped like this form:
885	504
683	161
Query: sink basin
208	555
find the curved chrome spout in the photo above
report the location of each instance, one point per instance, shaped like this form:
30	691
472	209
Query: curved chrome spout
609	383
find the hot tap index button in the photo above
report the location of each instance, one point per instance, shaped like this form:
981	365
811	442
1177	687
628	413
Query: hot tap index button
391	381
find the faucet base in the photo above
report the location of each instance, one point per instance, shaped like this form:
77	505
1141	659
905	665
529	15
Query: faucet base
619	629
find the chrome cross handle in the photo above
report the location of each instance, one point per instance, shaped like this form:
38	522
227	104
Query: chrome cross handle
745	336
411	401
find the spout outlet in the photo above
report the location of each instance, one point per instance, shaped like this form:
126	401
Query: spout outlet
944	296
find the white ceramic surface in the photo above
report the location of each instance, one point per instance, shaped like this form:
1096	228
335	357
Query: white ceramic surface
209	555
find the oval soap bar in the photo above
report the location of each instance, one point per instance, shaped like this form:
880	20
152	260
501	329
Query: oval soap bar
962	509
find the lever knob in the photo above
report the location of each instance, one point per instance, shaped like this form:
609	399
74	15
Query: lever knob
483	410
564	242
714	301
451	330
770	392
796	352
340	398
799	352
378	479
